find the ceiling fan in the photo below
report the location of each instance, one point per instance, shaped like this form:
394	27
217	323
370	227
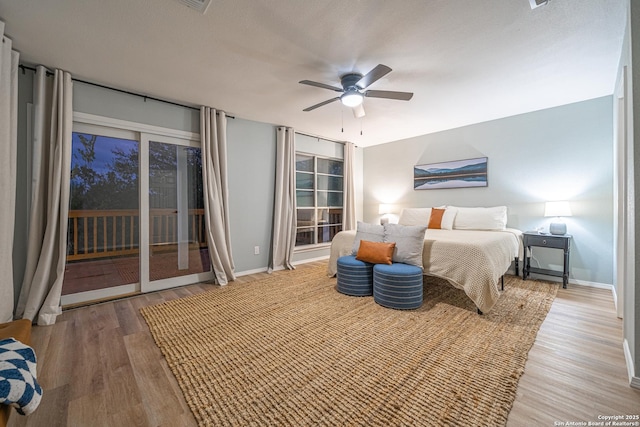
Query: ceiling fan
353	90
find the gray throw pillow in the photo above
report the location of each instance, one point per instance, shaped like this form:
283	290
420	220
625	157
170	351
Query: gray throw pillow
370	232
409	240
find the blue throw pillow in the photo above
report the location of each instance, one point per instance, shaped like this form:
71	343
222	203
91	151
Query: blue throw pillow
18	384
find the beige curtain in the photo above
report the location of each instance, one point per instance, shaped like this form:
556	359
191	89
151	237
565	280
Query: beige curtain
51	169
283	238
213	132
349	219
8	146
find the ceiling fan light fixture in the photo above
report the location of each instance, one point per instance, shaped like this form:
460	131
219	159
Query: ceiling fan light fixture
351	98
354	89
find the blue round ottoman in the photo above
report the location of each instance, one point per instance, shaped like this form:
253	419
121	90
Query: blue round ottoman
354	277
397	286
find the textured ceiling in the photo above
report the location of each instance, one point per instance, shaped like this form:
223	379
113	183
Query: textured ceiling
466	61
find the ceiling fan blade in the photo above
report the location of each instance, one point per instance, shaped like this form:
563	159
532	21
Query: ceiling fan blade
377	73
389	94
321	85
328	101
358	112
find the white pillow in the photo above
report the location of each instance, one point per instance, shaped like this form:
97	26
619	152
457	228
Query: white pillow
370	232
409	240
494	218
415	216
448	218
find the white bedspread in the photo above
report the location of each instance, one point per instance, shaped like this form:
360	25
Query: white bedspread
470	260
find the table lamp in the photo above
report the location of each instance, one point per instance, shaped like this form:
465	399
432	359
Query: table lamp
383	210
558	210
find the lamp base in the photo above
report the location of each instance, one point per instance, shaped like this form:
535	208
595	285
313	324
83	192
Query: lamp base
558	228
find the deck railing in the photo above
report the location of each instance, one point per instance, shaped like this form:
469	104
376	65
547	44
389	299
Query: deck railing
115	232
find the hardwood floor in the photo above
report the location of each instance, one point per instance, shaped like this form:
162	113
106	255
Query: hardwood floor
576	369
99	366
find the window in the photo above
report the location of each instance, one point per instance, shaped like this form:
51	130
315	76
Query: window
104	210
319	195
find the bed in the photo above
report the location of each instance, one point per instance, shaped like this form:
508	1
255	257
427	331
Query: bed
469	259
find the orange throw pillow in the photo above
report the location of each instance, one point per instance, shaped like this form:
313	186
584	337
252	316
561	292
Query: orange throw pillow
435	220
375	252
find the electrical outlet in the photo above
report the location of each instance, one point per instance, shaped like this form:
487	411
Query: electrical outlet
256	250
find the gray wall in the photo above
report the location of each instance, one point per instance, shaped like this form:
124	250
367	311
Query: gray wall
563	153
117	105
251	157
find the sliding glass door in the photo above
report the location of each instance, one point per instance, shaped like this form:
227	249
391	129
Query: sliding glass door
176	242
103	237
136	218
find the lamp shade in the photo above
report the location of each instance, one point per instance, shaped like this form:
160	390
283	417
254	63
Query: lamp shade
560	208
384	209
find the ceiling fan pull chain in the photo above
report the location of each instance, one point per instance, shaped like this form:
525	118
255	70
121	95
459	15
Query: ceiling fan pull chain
342	119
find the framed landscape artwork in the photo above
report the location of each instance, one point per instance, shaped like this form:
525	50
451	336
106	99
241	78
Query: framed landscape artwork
454	174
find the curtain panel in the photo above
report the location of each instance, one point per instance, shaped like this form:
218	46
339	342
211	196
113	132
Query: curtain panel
213	132
48	218
8	146
349	220
283	237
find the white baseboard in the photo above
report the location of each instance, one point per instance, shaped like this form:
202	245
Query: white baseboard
571	281
254	271
264	269
591	284
634	381
305	261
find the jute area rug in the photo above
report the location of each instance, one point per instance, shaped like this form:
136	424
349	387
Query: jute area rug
290	350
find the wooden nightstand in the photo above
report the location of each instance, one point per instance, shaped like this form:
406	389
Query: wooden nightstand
563	242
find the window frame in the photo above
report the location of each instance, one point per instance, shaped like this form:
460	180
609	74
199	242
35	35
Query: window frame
315	208
142	133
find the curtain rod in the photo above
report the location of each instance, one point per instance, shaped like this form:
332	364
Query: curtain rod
49	73
320	137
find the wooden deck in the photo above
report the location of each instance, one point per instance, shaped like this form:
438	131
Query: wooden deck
90	275
104	245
